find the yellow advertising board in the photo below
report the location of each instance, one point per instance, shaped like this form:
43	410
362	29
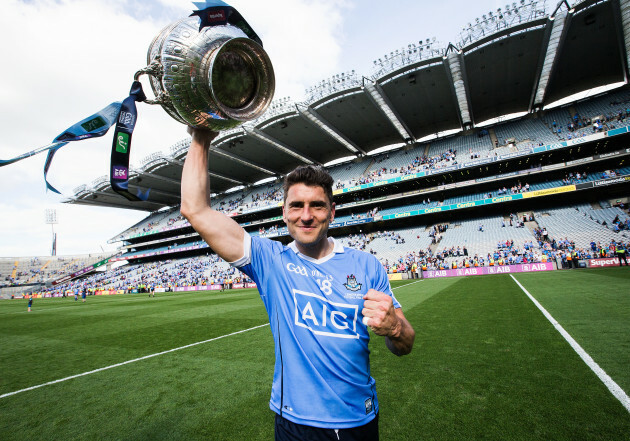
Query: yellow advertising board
548	191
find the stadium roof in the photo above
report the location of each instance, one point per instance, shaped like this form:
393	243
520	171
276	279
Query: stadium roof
512	61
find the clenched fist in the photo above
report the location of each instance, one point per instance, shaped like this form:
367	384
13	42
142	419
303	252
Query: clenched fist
380	315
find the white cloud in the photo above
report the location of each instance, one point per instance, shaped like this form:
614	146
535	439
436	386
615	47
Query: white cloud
64	60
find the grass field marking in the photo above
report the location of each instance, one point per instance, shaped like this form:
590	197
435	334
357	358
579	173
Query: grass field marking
613	387
408	284
146	357
129	361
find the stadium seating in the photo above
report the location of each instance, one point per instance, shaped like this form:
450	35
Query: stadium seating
526	133
581	224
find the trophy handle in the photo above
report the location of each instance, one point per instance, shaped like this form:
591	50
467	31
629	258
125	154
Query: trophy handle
154	69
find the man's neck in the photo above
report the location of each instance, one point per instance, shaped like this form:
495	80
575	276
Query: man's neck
318	251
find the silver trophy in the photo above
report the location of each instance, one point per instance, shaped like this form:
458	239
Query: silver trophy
216	78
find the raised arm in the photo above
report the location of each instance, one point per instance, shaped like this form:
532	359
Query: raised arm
220	232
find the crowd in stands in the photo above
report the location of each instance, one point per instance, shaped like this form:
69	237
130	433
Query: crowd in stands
601	116
436	232
368	214
204	270
361	241
581	125
270	231
574	178
259	199
265	198
417	164
211	270
574	125
230	205
514	189
169	274
562	252
39	270
174	220
619	224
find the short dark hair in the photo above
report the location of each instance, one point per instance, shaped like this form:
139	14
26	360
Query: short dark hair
313	176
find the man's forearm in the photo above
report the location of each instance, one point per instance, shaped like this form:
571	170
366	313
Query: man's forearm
401	341
220	232
195	185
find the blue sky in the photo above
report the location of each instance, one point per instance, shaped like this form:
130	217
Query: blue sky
65	59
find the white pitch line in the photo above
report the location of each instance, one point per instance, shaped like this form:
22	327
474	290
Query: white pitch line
142	358
613	387
407	284
128	362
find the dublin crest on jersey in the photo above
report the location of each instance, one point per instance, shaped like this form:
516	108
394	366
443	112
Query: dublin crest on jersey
352	283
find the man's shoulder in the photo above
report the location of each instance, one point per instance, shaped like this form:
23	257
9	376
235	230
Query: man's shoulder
359	255
268	244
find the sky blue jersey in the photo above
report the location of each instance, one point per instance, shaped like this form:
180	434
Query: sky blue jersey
322	370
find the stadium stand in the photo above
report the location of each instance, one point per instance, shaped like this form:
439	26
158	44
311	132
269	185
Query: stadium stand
536	187
525	133
397	249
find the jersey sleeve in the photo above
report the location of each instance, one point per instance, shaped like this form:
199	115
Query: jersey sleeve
257	260
381	281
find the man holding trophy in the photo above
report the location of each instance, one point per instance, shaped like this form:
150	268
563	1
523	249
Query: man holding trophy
210	72
321	298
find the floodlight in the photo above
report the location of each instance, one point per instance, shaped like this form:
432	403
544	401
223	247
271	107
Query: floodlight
51	215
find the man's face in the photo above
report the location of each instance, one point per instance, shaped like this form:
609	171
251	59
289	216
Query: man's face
308	213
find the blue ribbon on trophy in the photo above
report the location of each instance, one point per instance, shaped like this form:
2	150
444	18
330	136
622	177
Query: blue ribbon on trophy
94	126
91	127
124	116
216	77
121	146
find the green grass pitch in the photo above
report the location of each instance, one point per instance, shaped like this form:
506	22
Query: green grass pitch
486	364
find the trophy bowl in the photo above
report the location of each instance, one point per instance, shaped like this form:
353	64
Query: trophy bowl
216	78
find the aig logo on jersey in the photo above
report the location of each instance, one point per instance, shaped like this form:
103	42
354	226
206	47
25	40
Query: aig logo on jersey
323	317
297	269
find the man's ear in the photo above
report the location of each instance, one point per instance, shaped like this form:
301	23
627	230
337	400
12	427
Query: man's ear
332	212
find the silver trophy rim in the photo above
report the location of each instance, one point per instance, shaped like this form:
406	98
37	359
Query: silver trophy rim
255	55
